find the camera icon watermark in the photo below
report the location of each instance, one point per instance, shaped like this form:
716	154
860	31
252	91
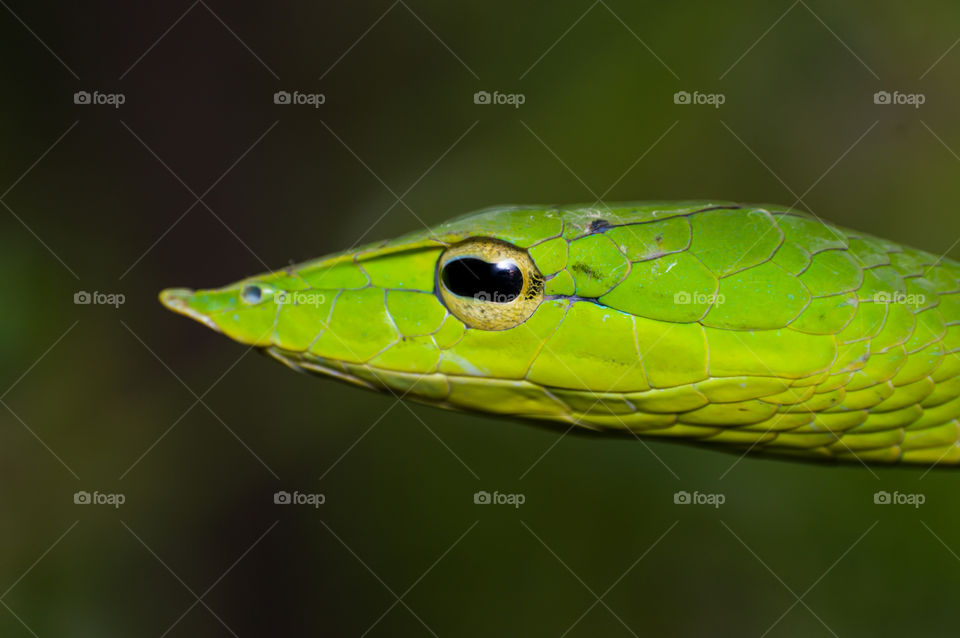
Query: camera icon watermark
99	498
496	498
716	100
699	498
300	99
96	298
96	98
512	99
896	98
283	497
899	498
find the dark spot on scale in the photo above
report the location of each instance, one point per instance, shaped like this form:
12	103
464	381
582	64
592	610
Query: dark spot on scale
586	270
598	226
658	239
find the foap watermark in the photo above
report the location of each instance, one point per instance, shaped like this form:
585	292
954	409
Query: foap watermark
512	99
685	298
299	298
697	98
97	298
99	498
495	297
96	98
699	498
299	99
899	498
914	300
299	498
897	98
497	498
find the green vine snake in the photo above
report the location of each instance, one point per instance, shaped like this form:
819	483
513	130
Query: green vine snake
744	327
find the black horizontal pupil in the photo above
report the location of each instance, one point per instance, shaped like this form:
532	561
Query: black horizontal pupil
478	279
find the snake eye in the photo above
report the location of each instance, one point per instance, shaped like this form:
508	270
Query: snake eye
489	284
501	282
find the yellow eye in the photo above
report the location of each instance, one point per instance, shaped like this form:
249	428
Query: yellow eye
489	284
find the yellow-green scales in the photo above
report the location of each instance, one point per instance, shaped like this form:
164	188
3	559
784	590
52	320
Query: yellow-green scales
748	326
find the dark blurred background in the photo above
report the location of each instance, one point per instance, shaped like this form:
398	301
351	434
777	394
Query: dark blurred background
133	403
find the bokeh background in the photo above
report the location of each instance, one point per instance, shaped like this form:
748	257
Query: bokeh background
197	436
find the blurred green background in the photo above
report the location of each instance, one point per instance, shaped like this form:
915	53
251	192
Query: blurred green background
103	399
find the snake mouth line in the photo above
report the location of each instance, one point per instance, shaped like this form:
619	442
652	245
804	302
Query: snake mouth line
320	366
176	299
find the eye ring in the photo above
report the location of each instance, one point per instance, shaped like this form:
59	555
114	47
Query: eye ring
489	284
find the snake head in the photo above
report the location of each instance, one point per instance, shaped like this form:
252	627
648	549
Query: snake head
464	303
503	311
760	328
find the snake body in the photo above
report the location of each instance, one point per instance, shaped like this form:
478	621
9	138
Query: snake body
749	327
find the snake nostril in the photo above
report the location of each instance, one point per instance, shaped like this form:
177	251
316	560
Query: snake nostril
251	294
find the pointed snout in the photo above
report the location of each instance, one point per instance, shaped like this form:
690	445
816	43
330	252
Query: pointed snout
178	300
